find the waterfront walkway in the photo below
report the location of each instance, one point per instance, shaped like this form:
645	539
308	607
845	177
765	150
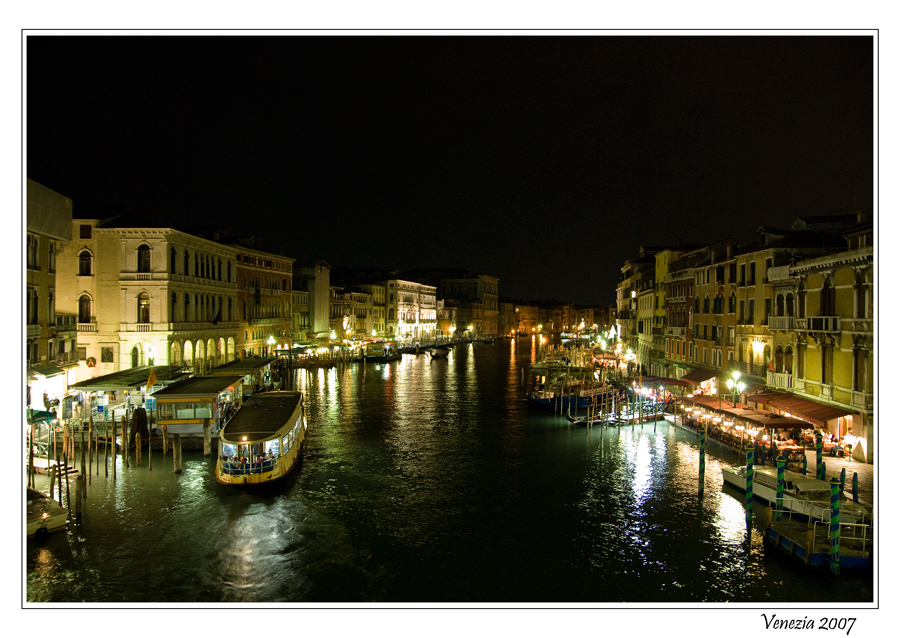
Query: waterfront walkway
833	466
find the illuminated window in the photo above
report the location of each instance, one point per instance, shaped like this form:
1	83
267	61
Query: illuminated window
143	258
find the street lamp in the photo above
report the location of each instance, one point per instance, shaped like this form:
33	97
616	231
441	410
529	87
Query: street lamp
735	385
271	342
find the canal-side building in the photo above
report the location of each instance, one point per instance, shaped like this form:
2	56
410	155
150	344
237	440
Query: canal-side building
378	321
315	279
636	277
264	283
823	327
507	320
147	295
411	310
51	338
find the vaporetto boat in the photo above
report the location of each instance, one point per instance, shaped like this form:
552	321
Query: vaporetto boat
805	496
264	440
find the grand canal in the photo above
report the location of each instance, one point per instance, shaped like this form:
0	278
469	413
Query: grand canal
431	480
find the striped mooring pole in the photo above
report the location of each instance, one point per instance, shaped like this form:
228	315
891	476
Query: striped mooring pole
748	495
820	467
779	487
856	487
835	526
843	478
702	457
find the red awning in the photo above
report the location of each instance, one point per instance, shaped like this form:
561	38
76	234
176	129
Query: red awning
699	375
812	411
766	396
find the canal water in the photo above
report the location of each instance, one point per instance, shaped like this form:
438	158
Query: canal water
432	481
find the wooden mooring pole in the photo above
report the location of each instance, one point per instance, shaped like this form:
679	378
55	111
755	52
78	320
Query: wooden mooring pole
176	453
207	441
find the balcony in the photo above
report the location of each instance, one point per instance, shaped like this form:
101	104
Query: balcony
34	330
87	327
820	324
781	323
675	330
780	380
64	358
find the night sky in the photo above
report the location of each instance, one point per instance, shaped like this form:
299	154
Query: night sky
546	161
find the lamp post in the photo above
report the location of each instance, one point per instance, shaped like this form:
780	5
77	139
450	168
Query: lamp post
271	342
735	385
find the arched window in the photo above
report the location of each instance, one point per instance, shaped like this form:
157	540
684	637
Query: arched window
789	360
84	263
229	271
173	259
789	311
84	309
187	305
706	304
391	314
220	271
197	272
52	260
187	263
143	258
229	309
246	336
143	308
135	357
174	305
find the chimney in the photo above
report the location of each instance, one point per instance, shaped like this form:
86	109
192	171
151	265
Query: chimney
728	250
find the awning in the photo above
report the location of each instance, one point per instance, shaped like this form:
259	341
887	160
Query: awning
812	411
766	396
699	375
36	416
653	381
48	371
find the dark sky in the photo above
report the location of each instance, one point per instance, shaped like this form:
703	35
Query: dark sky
545	161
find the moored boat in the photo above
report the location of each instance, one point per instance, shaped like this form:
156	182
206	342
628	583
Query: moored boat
438	352
804	496
43	514
264	440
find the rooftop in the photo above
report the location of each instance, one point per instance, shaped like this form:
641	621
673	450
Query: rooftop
262	416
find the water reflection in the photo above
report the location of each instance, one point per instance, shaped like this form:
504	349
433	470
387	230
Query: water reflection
430	480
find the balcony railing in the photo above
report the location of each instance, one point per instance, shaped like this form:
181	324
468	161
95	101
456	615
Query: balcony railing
34	330
781	380
63	358
781	323
820	324
676	330
87	327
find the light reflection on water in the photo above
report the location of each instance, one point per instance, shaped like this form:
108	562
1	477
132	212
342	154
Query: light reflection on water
431	480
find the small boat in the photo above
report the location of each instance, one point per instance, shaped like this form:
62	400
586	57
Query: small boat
570	396
438	352
43	513
805	496
600	419
264	440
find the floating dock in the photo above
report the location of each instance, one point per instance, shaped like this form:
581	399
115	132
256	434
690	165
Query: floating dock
808	541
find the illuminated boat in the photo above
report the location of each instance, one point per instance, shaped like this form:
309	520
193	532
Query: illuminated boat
438	352
805	496
264	440
43	514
